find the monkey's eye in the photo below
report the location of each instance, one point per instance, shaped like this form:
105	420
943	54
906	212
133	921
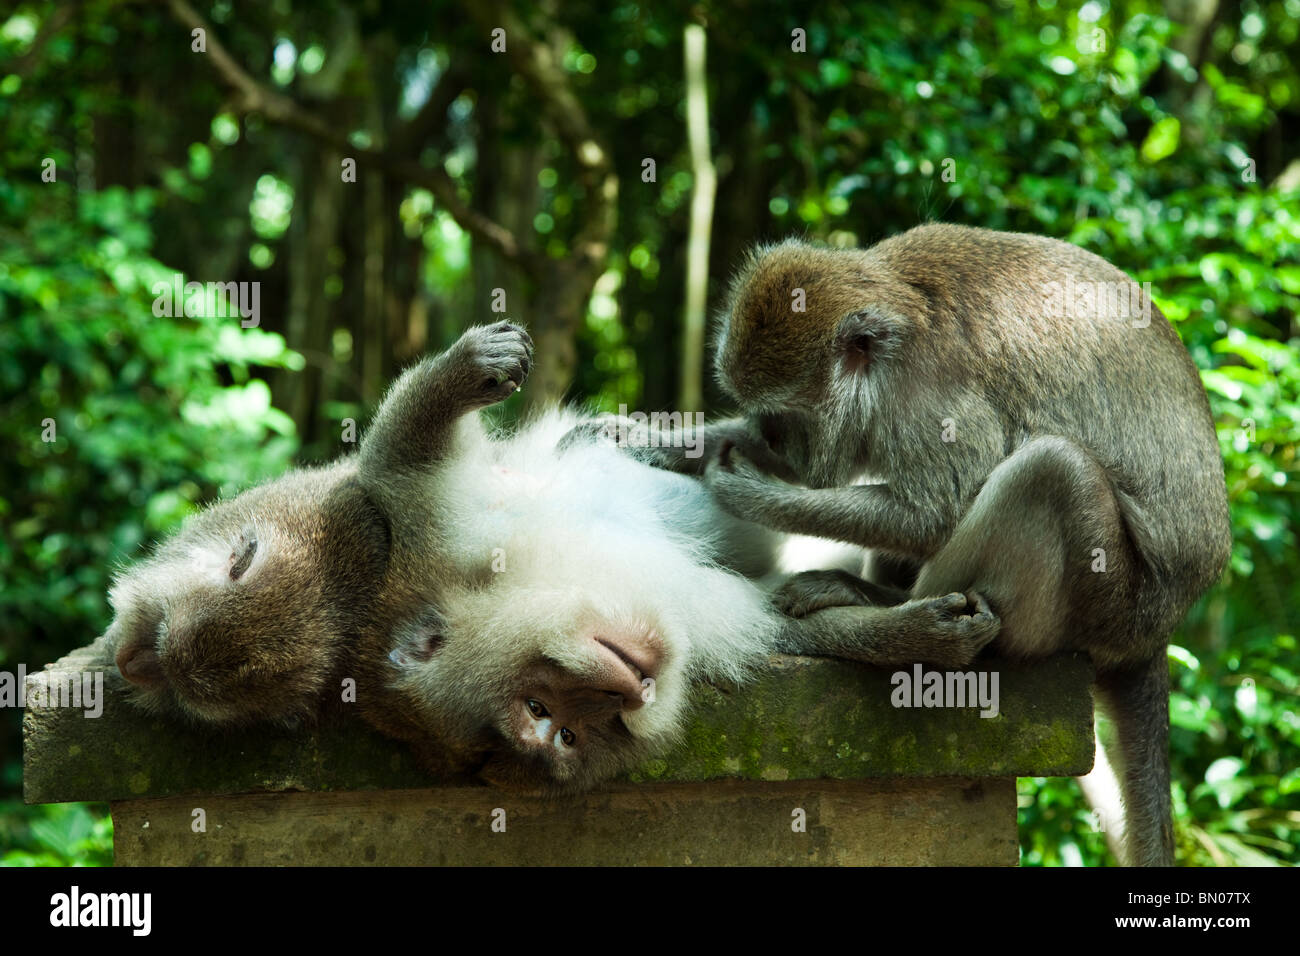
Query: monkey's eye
537	708
240	560
568	736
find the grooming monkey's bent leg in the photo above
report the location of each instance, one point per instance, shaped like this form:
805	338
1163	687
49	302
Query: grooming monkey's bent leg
1045	542
1051	546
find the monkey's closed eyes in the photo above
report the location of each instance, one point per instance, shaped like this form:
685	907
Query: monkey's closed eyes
242	556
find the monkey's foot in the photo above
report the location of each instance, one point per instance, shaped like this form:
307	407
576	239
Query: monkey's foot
811	591
951	629
493	361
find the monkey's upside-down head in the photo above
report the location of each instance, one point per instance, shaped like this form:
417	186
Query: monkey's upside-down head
538	690
237	617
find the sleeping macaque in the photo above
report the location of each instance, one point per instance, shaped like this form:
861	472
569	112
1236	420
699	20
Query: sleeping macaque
530	608
1028	427
247	613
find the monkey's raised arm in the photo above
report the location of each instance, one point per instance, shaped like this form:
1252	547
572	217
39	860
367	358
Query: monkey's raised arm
415	423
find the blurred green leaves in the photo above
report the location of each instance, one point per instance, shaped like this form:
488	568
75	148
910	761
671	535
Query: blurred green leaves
55	834
149	416
1162	141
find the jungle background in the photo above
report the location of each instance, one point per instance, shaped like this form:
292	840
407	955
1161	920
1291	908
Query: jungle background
1164	136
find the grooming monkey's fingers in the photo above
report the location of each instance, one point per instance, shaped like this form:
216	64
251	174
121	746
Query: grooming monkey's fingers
606	427
737	485
755	453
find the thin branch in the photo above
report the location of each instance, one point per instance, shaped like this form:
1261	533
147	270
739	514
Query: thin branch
255	97
536	62
705	180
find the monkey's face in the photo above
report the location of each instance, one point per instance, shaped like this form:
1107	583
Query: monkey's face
811	349
237	617
561	683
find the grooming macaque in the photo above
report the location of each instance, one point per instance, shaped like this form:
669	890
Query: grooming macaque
531	608
1053	454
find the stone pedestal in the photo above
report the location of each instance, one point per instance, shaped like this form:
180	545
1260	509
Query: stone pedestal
814	763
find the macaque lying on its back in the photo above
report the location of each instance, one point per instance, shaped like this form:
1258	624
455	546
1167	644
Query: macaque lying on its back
532	607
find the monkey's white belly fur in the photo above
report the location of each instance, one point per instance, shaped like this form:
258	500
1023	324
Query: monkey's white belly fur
639	542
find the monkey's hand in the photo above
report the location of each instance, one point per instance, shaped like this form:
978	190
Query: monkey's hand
416	421
607	428
746	491
811	591
489	363
952	629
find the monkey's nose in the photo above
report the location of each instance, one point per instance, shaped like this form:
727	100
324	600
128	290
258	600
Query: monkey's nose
625	667
623	702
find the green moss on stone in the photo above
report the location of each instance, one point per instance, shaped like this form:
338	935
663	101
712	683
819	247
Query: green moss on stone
802	718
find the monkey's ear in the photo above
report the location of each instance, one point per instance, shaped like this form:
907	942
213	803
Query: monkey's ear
418	639
137	661
861	339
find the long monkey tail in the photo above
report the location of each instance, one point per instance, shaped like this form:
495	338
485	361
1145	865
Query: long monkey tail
1137	701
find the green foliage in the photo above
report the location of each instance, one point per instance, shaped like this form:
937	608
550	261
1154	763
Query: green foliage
1041	137
117	422
1237	725
1057	827
56	834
